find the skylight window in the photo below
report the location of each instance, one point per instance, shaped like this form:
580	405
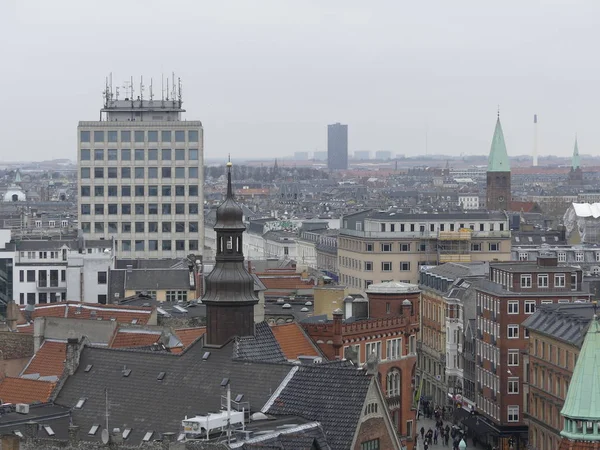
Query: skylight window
126	433
148	436
80	403
126	372
93	430
134	321
205	356
161	376
49	430
18	433
181	437
88	367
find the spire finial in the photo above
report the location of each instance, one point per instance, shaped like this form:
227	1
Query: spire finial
229	189
498	111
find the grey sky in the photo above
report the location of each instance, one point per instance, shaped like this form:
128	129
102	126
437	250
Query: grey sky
265	77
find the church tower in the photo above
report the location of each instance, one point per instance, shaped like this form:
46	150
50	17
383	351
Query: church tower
581	411
229	295
576	174
498	195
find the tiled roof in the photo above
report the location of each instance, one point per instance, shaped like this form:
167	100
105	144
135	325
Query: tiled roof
76	310
331	394
290	439
125	338
49	359
567	322
189	335
21	390
261	347
293	341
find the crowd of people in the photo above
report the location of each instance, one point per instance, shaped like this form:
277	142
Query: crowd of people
441	433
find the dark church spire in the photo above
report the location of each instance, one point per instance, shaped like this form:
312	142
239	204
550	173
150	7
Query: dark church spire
229	295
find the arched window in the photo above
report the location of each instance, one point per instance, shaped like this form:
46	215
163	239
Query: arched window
393	383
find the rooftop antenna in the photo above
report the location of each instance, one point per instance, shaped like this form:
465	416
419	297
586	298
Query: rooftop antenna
127	88
111	87
535	140
141	89
174	95
117	93
179	89
167	91
132	90
162	87
151	93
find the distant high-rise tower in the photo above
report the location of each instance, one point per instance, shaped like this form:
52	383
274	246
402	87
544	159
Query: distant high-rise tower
535	141
576	174
337	146
498	173
141	176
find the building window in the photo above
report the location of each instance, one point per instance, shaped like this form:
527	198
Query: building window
174	296
125	154
513	357
99	136
562	256
85	172
393	383
165	136
523	256
405	266
525	281
179	136
101	277
513	307
394	348
373	444
513	413
513	385
373	347
386	266
139	136
369	247
84	136
579	256
405	247
386	247
193	154
368	266
529	306
494	246
102	299
559	280
513	331
542	280
475	247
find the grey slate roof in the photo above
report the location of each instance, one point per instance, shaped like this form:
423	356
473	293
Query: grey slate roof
57	417
262	347
567	322
157	279
140	401
452	271
333	395
292	441
166	263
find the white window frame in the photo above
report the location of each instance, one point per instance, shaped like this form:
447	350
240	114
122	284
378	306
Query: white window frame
393	348
393	383
369	349
404	264
543	284
523	256
512	413
557	280
386	262
512	385
367	269
512	356
561	256
528	305
510	333
579	256
513	307
383	247
528	281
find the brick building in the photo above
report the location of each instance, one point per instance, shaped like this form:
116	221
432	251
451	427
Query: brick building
511	295
556	334
389	330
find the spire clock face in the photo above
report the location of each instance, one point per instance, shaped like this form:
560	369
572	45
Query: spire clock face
501	199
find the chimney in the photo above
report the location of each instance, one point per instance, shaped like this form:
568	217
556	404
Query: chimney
73	354
407	307
337	330
167	439
12	315
31	429
129	268
249	266
73	434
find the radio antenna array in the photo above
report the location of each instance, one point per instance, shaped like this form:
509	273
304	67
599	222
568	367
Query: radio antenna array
179	89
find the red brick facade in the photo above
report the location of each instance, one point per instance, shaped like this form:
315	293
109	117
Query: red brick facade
372	429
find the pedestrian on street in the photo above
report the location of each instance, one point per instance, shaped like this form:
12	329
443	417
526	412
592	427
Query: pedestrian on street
435	436
422	432
425	445
447	437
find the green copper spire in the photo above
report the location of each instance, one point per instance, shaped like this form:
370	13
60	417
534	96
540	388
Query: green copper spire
575	163
498	160
582	405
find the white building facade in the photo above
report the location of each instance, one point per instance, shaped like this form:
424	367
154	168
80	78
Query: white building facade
141	179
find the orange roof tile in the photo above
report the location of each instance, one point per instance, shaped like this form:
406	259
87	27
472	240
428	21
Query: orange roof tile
293	341
187	336
21	390
134	338
49	359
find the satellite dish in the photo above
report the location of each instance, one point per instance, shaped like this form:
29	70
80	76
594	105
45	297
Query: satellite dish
105	436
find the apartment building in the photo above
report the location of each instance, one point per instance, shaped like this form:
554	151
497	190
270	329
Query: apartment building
141	178
556	334
512	293
377	246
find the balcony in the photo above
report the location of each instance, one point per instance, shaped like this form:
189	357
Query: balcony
455	258
50	285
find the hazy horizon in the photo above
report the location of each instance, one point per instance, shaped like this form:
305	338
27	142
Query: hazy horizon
266	77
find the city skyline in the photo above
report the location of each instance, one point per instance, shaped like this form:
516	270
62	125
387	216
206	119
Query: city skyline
420	72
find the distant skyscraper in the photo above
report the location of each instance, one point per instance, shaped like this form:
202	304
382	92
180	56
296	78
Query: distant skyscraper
141	177
337	146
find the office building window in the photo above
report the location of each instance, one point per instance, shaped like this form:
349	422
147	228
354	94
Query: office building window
193	244
98	172
152	136
140	208
139	245
85	191
99	191
193	208
386	266
113	227
166	245
112	191
152	227
153	154
85	172
126	227
125	136
180	245
166	136
179	136
126	245
166	154
166	208
193	136
99	227
180	172
99	209
112	154
85	154
126	209
152	245
112	172
98	136
112	209
125	154
152	173
139	136
139	190
139	154
193	172
179	227
139	173
193	154
180	155
113	136
84	136
152	208
98	154
193	191
166	172
86	227
102	277
179	208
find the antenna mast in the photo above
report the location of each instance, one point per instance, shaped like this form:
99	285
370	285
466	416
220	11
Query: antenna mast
141	89
151	93
174	95
179	83
167	90
162	87
106	406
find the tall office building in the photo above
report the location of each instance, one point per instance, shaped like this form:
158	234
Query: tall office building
141	176
337	146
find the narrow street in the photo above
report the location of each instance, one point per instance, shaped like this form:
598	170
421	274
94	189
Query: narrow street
430	423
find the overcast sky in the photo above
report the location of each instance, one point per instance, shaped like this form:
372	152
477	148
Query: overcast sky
266	77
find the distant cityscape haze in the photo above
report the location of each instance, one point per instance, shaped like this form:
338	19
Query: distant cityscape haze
266	78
